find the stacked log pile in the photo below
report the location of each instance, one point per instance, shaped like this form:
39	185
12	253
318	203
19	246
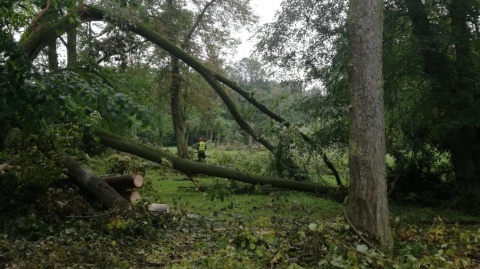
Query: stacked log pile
126	185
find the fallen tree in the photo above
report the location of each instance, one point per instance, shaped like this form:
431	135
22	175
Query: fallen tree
93	184
39	34
42	32
192	168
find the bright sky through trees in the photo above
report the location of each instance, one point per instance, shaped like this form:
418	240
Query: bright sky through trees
265	9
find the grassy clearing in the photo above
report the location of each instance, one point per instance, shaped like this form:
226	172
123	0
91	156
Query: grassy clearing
221	198
217	200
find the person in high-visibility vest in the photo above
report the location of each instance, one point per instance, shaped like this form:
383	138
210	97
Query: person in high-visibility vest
201	150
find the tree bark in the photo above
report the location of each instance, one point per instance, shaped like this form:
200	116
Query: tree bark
191	168
72	47
464	143
178	117
94	185
367	206
124	182
52	56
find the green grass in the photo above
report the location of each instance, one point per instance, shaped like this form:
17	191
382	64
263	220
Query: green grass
215	199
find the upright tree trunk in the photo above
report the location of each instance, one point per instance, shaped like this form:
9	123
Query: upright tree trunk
160	137
178	118
466	162
211	133
367	206
177	114
464	144
72	47
4	129
52	56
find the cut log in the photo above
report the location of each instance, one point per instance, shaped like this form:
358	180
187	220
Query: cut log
158	208
124	182
133	196
94	185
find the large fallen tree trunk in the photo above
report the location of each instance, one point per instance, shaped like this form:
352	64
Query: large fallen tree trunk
94	185
191	168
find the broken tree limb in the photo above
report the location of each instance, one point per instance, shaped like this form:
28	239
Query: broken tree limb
191	168
335	172
125	181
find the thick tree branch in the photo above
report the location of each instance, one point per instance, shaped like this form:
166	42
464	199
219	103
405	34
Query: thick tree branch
191	168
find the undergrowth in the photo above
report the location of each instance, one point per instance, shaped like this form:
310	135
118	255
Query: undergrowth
65	229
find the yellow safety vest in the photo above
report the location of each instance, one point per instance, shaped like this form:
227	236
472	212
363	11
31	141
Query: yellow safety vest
202	146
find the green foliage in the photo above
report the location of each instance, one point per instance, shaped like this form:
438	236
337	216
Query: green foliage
287	153
241	160
121	164
422	176
302	36
33	173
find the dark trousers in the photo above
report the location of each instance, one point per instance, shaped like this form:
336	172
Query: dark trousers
201	155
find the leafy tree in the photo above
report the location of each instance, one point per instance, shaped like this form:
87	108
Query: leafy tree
202	31
307	43
37	37
447	45
430	76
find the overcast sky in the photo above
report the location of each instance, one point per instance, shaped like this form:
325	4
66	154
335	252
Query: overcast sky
265	9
